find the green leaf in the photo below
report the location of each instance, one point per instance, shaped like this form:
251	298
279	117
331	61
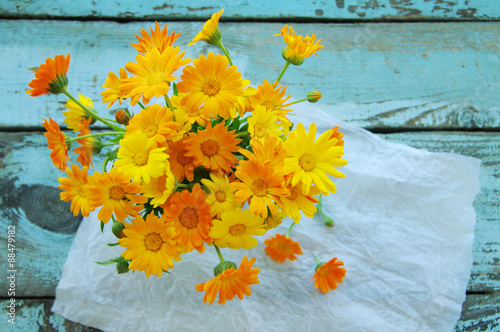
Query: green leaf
116	139
112	260
112	154
174	88
113	244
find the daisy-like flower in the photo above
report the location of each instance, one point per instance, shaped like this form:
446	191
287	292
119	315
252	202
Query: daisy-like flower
58	143
182	166
328	275
297	202
159	189
137	157
153	74
51	77
298	47
310	161
150	246
74	189
210	32
76	115
280	247
192	113
261	184
213	147
274	220
211	83
190	215
221	197
237	229
158	38
230	283
272	97
90	145
112	85
116	194
337	136
263	122
268	151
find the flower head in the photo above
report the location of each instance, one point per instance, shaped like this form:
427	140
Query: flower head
263	122
210	32
297	47
74	188
160	188
298	201
337	136
182	166
280	247
158	39
90	145
51	77
76	115
221	197
58	143
327	275
112	85
230	283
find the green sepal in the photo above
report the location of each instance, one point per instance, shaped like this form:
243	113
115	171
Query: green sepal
112	154
112	260
102	226
122	267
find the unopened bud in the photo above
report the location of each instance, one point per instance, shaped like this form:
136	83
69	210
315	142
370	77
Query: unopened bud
117	229
223	267
122	267
313	96
122	117
97	145
328	221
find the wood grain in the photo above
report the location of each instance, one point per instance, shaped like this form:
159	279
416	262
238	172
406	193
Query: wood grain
293	10
386	77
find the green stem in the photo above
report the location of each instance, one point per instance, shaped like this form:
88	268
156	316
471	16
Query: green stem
169	103
96	134
317	259
104	164
298	101
242	133
219	254
109	144
140	104
318	206
226	52
283	71
290	229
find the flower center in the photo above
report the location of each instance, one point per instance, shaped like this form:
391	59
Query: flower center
151	131
183	159
153	242
80	191
156	78
220	196
117	193
268	105
284	246
141	158
209	147
324	270
259	188
307	162
258	130
237	229
189	218
211	88
294	192
162	183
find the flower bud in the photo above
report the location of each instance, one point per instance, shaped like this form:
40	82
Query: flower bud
67	141
117	229
313	96
96	145
223	267
122	117
328	221
122	267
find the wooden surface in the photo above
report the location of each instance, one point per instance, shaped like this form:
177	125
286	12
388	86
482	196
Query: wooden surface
431	84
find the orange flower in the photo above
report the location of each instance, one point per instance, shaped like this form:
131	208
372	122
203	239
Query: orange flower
337	136
210	32
57	143
115	193
75	189
297	202
213	147
182	166
230	283
327	275
112	84
190	215
51	77
280	247
158	39
90	145
268	151
297	47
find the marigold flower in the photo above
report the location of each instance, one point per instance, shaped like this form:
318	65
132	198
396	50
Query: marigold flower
116	194
274	220
210	32
280	247
327	275
51	77
230	283
297	202
192	113
268	151
58	143
76	115
221	197
150	246
237	229
263	122
158	39
90	145
182	166
297	47
74	189
112	85
159	189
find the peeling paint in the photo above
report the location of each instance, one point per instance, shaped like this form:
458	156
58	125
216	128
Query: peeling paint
199	9
340	3
165	5
467	13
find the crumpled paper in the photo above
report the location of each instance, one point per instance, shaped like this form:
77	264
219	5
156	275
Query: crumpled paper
404	228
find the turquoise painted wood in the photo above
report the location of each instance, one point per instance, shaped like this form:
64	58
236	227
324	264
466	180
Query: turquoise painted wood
383	76
392	10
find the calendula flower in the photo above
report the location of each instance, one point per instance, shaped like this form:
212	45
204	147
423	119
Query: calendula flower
328	275
311	160
76	115
236	229
182	166
298	47
230	283
58	143
263	122
149	244
116	194
210	32
74	189
297	202
158	38
211	83
112	85
190	215
153	74
261	184
221	197
90	145
159	189
268	151
280	247
274	220
51	77
137	157
213	147
336	137
191	112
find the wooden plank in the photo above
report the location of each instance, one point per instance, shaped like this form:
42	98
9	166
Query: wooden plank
378	76
393	10
480	312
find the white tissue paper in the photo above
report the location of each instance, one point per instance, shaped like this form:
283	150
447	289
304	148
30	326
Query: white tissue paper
404	228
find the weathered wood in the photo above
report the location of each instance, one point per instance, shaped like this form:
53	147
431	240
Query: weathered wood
379	76
480	312
393	10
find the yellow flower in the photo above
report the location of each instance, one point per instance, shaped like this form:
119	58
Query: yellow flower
263	122
210	32
297	202
158	39
274	220
268	151
50	77
237	229
280	247
221	197
112	85
75	189
159	189
327	275
76	115
297	47
137	158
311	161
149	245
90	145
153	74
192	113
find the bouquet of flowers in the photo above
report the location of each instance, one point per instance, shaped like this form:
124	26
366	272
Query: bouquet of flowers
218	163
